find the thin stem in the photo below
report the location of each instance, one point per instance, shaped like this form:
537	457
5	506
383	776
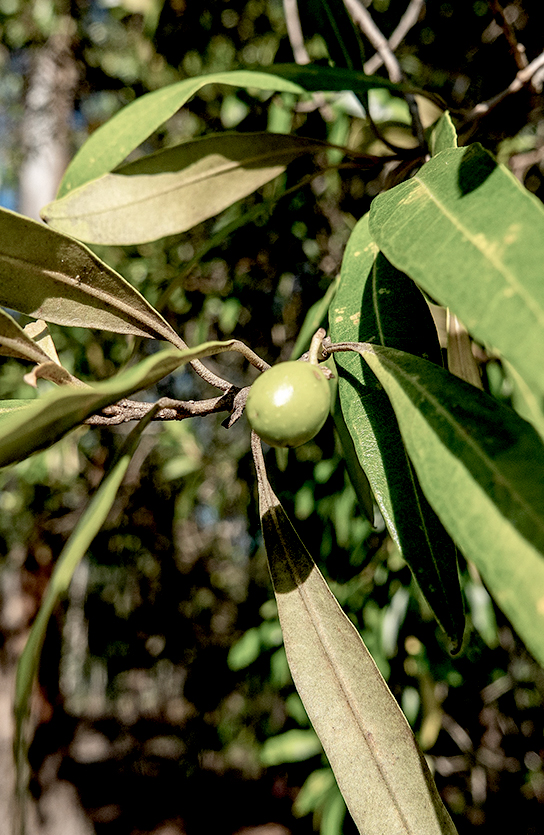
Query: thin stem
380	43
407	22
517	49
362	17
521	79
315	346
168	409
294	32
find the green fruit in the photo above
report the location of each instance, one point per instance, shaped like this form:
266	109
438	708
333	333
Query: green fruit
288	404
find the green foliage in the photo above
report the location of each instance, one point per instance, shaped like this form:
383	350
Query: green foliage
173	190
329	664
376	303
463	216
449	465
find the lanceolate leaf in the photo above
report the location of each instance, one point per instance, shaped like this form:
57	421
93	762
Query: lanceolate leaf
481	467
52	277
173	190
317	77
48	418
108	146
473	238
14	342
381	773
83	534
378	304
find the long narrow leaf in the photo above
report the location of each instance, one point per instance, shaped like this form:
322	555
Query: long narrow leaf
482	468
319	77
53	277
108	146
48	418
473	238
378	304
381	773
173	190
73	552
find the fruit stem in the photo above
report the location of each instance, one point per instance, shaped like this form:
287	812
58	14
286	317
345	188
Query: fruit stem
315	346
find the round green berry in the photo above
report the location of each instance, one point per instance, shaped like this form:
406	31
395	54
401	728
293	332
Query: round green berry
288	404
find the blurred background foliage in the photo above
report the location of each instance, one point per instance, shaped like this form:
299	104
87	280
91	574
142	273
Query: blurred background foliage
165	696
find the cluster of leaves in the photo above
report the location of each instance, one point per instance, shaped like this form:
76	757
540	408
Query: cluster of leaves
415	430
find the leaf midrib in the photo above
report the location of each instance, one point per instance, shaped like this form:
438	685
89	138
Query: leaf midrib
496	262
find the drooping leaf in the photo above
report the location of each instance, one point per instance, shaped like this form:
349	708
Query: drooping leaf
49	276
172	190
473	238
110	144
382	775
75	549
378	304
48	418
482	468
318	77
443	135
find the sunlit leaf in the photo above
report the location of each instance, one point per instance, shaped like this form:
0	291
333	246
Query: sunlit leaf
48	418
443	135
110	144
52	277
382	775
173	190
378	304
481	467
473	238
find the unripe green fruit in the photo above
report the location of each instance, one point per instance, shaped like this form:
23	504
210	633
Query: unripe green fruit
288	404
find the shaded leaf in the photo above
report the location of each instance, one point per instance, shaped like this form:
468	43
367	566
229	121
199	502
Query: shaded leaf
380	771
527	402
357	475
173	190
472	237
48	418
378	304
314	318
14	342
75	549
332	21
110	144
461	360
481	467
39	332
318	77
47	275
